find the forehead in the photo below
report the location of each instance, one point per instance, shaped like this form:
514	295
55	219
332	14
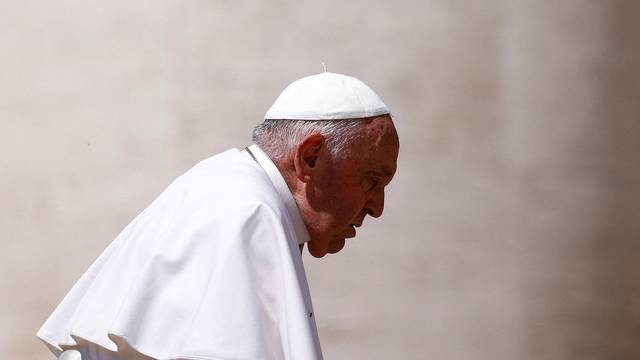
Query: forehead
382	159
380	146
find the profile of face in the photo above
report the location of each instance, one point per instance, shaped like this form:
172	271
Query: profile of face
339	192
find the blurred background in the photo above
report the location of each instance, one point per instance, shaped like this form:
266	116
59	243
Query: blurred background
511	231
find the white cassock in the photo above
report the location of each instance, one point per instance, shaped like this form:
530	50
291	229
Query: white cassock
210	270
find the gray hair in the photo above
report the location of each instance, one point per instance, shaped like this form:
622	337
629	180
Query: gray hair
280	137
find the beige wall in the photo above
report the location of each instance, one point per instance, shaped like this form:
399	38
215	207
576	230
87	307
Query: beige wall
512	229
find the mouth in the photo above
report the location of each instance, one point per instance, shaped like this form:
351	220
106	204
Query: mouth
351	231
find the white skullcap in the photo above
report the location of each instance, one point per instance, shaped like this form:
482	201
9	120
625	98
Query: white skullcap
326	96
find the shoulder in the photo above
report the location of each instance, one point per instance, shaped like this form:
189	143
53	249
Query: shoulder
232	182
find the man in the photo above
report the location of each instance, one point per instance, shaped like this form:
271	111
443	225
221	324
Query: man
212	268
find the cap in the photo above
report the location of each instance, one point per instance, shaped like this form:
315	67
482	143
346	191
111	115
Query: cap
326	96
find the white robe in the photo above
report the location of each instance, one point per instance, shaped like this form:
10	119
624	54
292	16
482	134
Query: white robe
210	270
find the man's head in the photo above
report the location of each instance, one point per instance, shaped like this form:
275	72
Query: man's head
336	169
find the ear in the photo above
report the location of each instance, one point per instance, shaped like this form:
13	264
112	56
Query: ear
308	151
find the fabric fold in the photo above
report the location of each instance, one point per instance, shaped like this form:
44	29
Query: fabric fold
210	270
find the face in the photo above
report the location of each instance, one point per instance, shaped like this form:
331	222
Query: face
342	192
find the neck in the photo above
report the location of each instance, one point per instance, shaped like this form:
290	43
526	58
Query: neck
288	172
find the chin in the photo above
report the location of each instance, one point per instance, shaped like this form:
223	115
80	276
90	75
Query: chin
317	251
317	255
321	248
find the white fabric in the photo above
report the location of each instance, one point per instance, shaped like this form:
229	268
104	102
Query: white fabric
210	270
327	96
283	190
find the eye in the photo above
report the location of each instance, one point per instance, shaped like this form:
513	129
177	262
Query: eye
369	183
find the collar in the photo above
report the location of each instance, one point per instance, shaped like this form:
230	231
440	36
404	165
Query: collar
282	189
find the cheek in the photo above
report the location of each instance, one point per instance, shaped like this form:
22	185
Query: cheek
345	198
348	205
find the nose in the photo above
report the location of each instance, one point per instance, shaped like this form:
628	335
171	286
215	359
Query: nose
375	204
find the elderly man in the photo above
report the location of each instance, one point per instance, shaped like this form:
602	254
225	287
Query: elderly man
212	269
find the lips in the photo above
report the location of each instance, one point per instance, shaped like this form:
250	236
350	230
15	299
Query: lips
351	232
